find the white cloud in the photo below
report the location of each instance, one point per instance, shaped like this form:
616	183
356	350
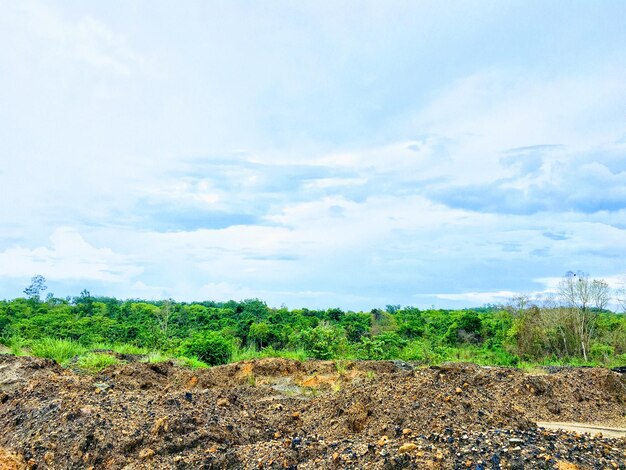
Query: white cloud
69	257
86	40
479	298
358	179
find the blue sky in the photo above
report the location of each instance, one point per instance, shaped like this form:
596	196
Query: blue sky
319	154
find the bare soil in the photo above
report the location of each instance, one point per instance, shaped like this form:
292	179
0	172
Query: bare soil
277	413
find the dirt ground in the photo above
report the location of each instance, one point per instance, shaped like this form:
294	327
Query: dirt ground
277	413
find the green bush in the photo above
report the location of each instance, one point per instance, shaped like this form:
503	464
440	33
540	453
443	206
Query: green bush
383	346
601	352
210	347
418	351
321	342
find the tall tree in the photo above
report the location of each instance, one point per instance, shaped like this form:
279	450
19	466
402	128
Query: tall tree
36	287
583	299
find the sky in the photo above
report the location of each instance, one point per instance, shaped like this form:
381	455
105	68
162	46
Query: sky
313	154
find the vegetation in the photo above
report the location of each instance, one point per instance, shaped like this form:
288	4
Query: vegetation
92	362
571	327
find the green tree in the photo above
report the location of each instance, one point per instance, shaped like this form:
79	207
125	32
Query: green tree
210	347
260	333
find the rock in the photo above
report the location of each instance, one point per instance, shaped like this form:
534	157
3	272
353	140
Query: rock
458	390
402	365
222	402
146	453
159	425
410	447
406	432
357	417
296	442
101	386
383	441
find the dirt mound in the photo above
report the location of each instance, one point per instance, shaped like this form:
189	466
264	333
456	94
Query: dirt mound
276	413
15	372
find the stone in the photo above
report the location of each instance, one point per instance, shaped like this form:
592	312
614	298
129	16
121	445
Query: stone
410	447
146	453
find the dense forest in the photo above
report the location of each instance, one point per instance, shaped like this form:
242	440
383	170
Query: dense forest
571	327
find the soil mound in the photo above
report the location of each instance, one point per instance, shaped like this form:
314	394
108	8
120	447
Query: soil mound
277	413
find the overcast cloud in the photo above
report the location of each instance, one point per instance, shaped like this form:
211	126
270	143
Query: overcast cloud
319	154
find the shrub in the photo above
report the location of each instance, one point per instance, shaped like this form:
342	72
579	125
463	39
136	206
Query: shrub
210	347
321	342
602	352
383	346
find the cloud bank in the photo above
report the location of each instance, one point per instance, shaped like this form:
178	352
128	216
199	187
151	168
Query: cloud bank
311	155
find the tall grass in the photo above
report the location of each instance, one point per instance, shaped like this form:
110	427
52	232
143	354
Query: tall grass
157	356
120	348
191	362
250	352
94	362
61	350
16	345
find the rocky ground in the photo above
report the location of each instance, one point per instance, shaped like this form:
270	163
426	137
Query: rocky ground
276	413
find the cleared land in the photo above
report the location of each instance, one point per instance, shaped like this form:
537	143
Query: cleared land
277	413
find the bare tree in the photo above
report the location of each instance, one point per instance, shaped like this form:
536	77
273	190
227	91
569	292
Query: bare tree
582	300
36	287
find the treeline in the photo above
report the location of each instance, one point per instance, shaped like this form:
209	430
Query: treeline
572	327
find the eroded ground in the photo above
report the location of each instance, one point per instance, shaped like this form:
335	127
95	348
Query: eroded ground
276	413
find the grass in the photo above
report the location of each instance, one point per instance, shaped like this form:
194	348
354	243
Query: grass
16	345
417	351
157	356
250	352
95	362
191	362
340	365
60	350
120	348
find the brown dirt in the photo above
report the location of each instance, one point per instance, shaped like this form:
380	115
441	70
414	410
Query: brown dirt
276	413
11	461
